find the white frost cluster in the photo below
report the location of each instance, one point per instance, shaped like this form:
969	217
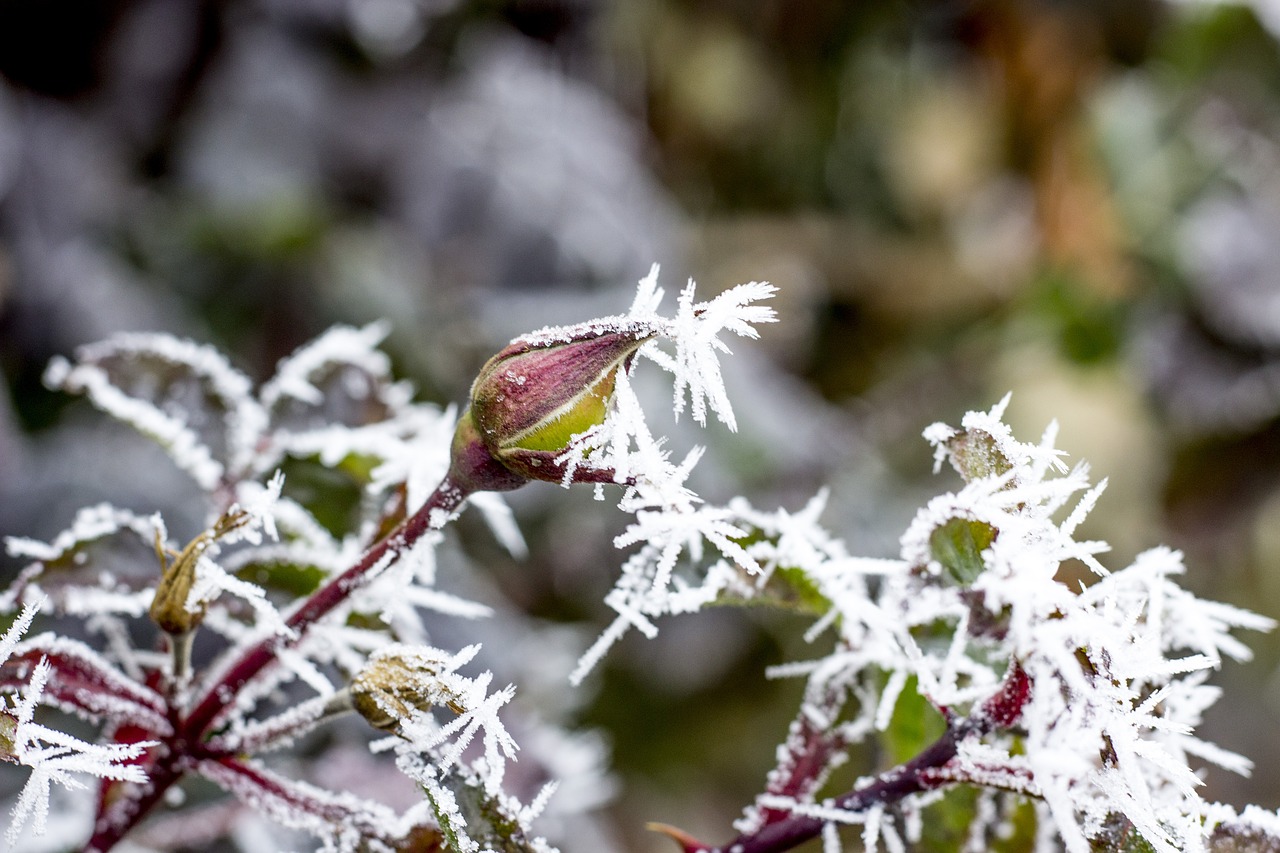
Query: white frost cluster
1117	668
333	400
53	756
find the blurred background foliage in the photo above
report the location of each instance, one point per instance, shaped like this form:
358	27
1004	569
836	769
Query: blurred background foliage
1075	200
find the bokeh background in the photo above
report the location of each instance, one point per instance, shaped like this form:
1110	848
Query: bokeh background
1076	201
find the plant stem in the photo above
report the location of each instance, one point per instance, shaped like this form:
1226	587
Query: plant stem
187	741
121	816
890	787
433	515
1002	710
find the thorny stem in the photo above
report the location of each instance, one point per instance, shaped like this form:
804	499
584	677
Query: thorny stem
187	741
915	776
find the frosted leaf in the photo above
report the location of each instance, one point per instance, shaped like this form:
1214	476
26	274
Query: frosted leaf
184	395
340	379
105	549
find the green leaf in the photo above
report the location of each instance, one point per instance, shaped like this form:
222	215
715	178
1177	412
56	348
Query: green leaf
915	724
293	579
803	592
958	545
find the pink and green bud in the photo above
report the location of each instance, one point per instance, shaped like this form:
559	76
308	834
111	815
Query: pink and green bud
530	400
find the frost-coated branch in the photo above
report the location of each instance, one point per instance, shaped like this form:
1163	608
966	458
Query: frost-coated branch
924	772
178	749
433	515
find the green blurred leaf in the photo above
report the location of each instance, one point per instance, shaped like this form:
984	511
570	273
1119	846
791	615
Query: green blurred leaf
332	495
1089	328
915	724
293	579
795	587
958	545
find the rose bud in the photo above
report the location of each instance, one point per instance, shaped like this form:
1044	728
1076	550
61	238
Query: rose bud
530	400
396	682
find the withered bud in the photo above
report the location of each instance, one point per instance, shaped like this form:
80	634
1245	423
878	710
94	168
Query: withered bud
8	737
398	680
169	606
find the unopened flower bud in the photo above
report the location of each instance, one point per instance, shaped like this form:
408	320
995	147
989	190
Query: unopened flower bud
169	606
397	681
530	400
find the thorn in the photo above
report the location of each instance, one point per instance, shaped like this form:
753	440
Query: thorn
687	842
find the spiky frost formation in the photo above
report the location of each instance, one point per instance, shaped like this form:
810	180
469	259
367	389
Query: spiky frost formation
1116	670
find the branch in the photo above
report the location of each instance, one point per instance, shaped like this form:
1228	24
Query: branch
432	516
302	806
925	772
129	806
814	743
188	742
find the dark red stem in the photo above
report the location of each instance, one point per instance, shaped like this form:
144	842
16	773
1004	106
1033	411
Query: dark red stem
186	744
124	812
891	787
1001	711
439	507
